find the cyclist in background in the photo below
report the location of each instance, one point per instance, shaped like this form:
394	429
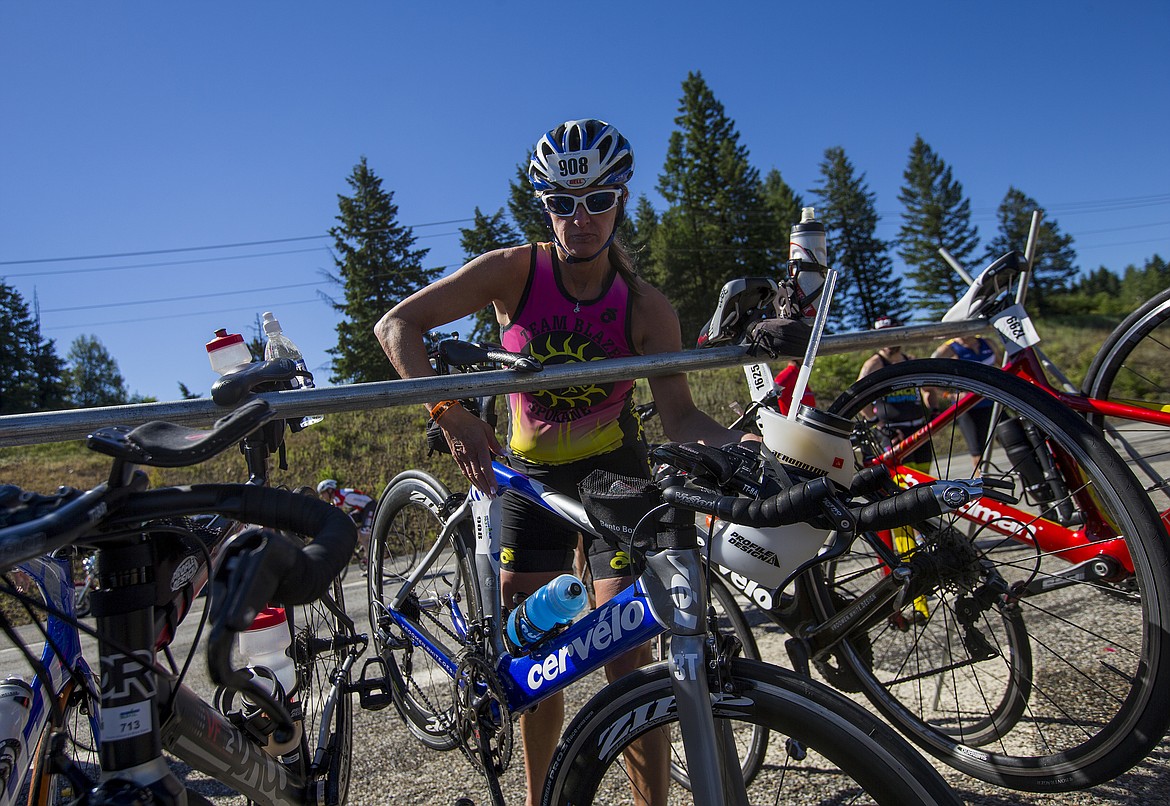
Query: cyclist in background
356	504
976	421
786	381
574	298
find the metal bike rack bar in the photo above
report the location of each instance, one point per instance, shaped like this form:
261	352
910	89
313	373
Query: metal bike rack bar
61	426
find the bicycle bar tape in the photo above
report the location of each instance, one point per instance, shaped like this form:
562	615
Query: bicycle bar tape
798	503
916	504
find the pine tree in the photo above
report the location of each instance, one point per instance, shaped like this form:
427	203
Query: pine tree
378	267
93	375
936	215
525	208
866	287
716	227
486	234
31	373
644	222
785	205
1054	262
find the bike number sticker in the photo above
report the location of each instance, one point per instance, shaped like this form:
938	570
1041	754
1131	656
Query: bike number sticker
1017	329
126	721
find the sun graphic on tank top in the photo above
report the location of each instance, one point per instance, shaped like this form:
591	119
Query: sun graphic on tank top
565	348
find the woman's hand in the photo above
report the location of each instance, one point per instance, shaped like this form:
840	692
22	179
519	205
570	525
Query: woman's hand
472	443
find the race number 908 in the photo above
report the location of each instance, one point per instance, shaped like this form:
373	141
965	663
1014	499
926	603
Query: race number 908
574	166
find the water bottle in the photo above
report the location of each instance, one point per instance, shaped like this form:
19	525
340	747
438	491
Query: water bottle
16	699
554	604
808	259
227	352
265	647
281	346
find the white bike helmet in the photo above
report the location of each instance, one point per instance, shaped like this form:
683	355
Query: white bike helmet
580	154
327	484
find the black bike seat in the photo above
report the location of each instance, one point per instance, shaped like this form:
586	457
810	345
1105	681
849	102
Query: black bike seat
163	444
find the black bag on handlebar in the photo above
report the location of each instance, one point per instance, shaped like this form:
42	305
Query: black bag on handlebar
615	505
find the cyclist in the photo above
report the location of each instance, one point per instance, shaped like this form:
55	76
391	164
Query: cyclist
356	504
786	382
976	421
573	298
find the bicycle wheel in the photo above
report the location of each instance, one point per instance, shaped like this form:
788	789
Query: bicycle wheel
1009	657
323	639
824	749
731	621
48	788
412	512
1133	366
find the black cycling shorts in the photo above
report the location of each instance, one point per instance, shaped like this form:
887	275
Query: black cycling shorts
535	539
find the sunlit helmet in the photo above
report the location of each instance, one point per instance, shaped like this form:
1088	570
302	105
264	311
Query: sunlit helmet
883	322
328	484
580	154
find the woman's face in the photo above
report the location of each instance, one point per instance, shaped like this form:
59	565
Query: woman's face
581	232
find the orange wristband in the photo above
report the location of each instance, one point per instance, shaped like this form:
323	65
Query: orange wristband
441	408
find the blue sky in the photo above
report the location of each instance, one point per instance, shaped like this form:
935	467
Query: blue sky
168	128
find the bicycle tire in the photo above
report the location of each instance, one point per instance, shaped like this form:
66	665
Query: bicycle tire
1132	365
1092	681
47	788
413	509
322	639
731	621
847	750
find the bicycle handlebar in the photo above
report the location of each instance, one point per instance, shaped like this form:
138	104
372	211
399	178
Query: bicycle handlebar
798	503
468	354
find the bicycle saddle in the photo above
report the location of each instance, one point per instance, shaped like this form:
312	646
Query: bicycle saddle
742	303
988	287
468	354
235	386
162	444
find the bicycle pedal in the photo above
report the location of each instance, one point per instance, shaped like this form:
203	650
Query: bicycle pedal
373	691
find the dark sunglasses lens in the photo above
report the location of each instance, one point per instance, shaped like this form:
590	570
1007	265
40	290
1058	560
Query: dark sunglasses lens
600	201
560	204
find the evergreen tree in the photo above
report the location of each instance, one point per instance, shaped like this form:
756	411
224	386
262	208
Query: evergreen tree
866	287
1054	262
644	223
378	266
716	226
31	373
936	215
93	375
525	208
785	205
486	234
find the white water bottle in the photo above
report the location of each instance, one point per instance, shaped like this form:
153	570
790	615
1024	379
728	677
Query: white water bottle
808	257
227	352
265	646
556	603
281	346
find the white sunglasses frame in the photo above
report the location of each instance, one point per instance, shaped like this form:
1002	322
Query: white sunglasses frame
619	195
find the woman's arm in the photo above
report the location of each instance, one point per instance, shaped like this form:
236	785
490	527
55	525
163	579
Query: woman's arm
656	330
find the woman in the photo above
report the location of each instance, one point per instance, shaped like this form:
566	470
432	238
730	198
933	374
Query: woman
574	298
975	423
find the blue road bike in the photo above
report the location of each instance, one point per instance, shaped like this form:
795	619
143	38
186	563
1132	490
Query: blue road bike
442	662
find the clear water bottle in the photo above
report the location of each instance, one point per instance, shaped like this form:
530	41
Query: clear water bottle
265	647
281	346
554	604
227	352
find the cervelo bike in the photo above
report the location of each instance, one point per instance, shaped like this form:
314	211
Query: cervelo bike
152	559
1030	651
63	691
447	670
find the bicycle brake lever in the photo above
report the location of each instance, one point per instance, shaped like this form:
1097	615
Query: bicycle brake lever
992	487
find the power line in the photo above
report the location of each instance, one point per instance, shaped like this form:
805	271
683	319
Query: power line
175	250
179	315
166	263
183	298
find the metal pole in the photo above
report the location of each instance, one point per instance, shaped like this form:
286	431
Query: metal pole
61	426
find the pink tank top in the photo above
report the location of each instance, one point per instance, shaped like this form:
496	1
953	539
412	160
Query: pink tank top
556	426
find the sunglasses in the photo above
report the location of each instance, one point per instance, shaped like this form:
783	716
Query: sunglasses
565	204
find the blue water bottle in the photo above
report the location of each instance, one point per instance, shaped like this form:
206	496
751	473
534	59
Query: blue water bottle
554	604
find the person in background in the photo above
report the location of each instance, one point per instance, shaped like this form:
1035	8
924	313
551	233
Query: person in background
786	381
360	508
573	298
975	423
